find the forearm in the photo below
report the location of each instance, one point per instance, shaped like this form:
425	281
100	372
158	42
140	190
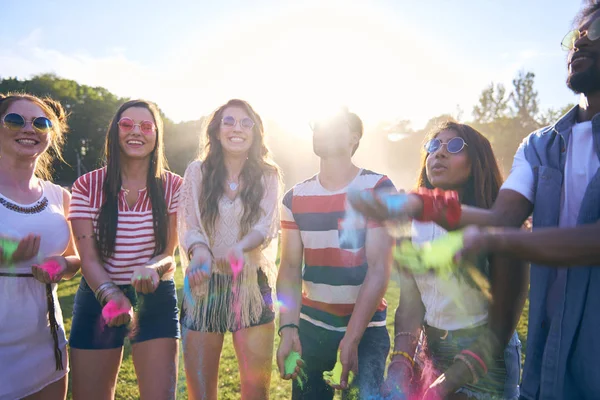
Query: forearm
509	288
289	294
251	241
94	273
409	317
369	298
73	266
161	263
559	247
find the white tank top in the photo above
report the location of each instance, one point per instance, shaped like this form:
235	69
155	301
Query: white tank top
44	217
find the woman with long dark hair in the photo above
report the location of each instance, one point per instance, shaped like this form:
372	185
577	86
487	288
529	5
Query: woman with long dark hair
125	227
33	231
228	219
463	333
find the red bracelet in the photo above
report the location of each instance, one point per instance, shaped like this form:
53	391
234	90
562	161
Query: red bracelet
439	205
477	358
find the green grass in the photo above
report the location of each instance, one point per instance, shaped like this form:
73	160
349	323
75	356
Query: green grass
228	374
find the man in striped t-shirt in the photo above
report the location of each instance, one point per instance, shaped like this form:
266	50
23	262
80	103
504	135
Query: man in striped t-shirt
336	300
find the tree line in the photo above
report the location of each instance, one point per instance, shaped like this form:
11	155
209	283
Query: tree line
504	116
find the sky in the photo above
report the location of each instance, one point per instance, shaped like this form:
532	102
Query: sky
293	60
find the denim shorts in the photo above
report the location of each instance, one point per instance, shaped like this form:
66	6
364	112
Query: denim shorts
155	317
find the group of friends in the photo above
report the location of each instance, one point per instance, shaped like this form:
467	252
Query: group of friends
120	226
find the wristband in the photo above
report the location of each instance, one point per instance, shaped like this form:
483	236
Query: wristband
288	326
440	206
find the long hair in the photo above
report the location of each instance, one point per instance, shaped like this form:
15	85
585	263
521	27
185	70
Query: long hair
258	165
57	115
483	185
108	217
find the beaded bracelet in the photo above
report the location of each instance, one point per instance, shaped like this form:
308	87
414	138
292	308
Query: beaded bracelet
466	361
409	334
477	358
403	354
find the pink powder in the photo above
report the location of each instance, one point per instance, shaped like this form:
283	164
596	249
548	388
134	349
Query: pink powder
112	310
52	267
236	266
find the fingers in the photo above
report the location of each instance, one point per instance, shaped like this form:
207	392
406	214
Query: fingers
197	275
36	245
41	275
281	364
27	248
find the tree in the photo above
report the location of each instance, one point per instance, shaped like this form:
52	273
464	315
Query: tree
525	100
493	104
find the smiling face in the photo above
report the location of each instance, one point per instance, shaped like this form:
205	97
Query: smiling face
24	142
446	170
136	143
236	139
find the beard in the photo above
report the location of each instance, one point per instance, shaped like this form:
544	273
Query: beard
586	82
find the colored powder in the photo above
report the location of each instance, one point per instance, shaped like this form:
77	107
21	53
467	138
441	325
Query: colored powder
394	202
8	246
236	266
437	255
52	267
112	310
334	376
291	362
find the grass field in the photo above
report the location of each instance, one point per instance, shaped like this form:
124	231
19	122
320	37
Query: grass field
228	375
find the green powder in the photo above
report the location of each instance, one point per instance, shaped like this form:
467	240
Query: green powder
334	377
290	367
9	247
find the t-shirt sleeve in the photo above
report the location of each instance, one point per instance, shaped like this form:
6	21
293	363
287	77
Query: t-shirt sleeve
287	217
80	207
521	178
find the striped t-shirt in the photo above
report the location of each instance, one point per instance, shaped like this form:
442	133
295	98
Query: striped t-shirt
135	232
335	263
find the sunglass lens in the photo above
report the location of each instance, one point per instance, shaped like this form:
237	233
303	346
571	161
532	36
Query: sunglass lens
433	145
147	127
14	121
593	32
247	123
228	121
455	145
42	124
126	124
569	40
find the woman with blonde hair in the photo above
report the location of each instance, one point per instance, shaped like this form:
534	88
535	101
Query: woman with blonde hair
228	218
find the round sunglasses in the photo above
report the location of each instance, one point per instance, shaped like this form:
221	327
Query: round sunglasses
16	122
454	145
127	125
592	33
245	123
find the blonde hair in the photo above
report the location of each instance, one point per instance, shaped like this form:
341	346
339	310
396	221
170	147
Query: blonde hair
56	114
